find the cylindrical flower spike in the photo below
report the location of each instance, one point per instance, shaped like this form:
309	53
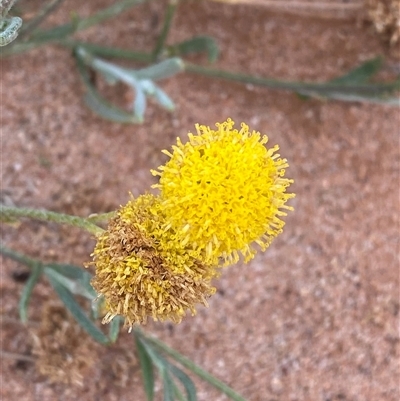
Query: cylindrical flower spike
142	271
224	190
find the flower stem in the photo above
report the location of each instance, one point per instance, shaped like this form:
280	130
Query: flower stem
45	215
102	217
172	4
187	363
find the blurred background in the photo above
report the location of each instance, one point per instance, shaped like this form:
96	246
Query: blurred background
315	317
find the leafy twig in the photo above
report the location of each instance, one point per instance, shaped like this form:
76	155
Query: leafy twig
187	363
63	31
40	17
172	5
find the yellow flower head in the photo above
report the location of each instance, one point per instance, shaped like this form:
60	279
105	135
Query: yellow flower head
143	271
223	190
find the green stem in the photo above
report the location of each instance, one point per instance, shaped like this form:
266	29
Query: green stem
110	52
62	31
313	88
172	5
309	88
187	363
102	217
289	85
39	18
108	12
18	257
45	215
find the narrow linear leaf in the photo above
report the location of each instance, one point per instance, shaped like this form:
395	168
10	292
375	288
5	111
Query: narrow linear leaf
361	91
186	381
164	100
362	73
108	111
178	393
81	276
114	329
196	45
166	368
76	310
168	386
146	365
151	89
36	273
71	271
74	285
139	105
348	97
97	307
99	105
165	69
190	365
58	32
154	354
17	256
110	79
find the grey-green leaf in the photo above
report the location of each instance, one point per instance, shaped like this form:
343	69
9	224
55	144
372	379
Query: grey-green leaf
95	102
146	365
114	328
76	310
362	73
186	381
76	285
188	364
178	393
196	45
139	105
108	111
168	386
165	69
164	100
36	273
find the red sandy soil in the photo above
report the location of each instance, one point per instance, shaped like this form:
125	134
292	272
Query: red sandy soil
314	318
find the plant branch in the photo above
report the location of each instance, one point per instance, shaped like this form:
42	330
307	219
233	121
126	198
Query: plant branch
101	217
187	363
62	31
172	5
110	52
45	215
18	257
107	13
39	18
289	85
312	88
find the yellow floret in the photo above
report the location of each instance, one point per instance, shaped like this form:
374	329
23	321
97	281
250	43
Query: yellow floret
143	271
223	190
